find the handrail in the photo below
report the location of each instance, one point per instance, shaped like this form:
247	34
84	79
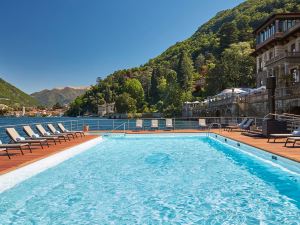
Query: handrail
115	128
212	124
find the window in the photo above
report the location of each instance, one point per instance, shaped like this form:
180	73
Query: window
293	47
260	64
296	75
270	54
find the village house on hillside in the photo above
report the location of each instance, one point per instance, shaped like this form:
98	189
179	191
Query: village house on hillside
277	54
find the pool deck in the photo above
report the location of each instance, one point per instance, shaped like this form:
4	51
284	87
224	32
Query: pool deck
18	160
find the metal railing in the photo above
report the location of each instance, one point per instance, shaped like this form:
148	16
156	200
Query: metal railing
111	131
121	125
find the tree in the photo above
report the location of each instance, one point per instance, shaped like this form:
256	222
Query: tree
156	73
238	65
185	71
125	104
134	88
228	34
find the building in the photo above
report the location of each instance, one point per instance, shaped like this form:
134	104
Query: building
277	54
106	109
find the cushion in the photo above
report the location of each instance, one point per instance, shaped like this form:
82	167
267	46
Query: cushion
20	139
35	136
47	134
57	132
296	132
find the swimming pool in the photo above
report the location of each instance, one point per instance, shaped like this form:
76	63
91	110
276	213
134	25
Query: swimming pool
157	179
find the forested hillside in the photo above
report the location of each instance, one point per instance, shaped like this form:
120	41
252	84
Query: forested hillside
217	56
13	97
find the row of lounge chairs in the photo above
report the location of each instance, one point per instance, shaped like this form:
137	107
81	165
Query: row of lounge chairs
42	139
154	124
168	124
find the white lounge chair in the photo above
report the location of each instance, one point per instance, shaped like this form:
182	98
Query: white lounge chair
154	124
44	133
169	124
65	131
30	133
237	126
16	138
6	147
202	123
294	134
56	132
139	124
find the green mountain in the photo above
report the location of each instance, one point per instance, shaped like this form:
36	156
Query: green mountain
58	95
14	97
216	57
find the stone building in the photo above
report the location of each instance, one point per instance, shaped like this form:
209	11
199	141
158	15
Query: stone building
106	109
277	54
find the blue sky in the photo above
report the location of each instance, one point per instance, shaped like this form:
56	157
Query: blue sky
55	43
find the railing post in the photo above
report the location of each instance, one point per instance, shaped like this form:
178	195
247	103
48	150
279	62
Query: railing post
174	123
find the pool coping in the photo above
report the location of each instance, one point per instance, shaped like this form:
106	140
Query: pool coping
14	177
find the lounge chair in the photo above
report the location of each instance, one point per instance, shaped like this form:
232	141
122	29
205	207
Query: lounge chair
202	124
65	131
154	124
56	132
247	125
139	124
295	133
169	124
293	140
30	133
237	126
16	138
6	147
44	133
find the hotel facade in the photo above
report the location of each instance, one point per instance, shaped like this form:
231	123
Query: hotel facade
277	54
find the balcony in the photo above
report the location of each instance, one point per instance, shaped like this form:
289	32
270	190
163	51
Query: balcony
286	55
279	35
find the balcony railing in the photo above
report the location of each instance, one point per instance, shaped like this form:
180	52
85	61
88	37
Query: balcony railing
278	35
283	56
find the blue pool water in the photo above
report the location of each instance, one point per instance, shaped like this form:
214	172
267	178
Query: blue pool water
156	179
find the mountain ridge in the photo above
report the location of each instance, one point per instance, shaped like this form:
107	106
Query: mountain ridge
14	97
61	95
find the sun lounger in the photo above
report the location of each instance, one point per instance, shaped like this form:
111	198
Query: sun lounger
65	131
56	132
202	124
295	133
6	147
292	140
247	125
154	124
139	124
237	126
16	138
30	133
44	133
169	124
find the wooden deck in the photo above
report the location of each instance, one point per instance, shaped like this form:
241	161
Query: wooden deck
18	160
